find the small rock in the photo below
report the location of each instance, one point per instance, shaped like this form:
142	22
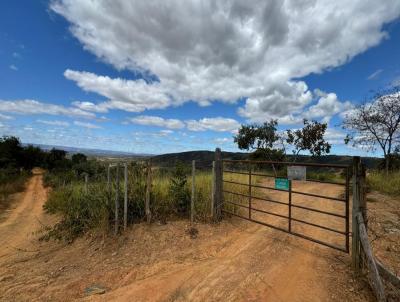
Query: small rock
95	290
114	254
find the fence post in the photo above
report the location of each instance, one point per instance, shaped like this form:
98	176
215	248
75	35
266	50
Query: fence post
347	210
109	184
148	191
212	189
290	206
125	195
218	185
363	195
193	192
117	203
249	190
355	246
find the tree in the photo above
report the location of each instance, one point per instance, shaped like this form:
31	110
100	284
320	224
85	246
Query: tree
310	138
10	151
376	124
32	157
78	158
56	159
262	139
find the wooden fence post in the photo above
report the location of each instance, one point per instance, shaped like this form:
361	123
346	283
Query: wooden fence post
355	246
218	185
125	195
290	206
193	192
249	190
117	203
109	184
212	189
148	191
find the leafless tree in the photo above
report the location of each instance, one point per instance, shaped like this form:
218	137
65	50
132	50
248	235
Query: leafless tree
376	124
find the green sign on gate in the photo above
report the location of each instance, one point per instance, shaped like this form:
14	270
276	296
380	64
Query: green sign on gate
282	183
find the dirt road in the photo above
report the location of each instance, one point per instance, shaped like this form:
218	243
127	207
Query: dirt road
233	261
16	231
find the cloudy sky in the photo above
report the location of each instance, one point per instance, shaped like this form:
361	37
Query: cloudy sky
166	76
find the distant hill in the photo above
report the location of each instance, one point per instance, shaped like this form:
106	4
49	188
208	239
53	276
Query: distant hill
205	158
92	152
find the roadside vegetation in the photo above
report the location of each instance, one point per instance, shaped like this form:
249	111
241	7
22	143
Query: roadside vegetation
381	182
14	168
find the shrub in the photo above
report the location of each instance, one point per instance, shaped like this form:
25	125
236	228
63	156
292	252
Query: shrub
80	211
11	181
178	189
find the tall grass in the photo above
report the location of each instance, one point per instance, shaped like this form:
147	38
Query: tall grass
388	184
82	210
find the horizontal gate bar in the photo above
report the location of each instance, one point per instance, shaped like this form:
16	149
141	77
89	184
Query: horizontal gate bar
270	213
318	226
320	242
294	192
319	196
236	172
255	197
286	163
292	233
327	182
236	204
318	211
256	221
272	176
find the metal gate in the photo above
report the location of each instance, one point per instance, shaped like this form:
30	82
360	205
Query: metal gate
251	169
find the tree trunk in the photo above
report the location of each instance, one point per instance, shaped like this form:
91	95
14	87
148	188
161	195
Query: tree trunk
387	164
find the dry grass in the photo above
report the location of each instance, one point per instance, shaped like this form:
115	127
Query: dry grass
388	184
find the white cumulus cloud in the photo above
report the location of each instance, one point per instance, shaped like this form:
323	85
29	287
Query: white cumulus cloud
36	107
149	120
54	123
208	51
220	124
86	125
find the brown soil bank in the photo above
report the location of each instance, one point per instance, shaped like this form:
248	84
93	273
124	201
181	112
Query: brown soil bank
233	261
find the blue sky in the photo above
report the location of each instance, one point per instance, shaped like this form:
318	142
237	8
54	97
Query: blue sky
184	77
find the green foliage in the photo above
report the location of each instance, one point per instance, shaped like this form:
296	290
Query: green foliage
393	161
178	188
255	136
310	138
80	211
381	182
10	152
11	181
78	158
326	176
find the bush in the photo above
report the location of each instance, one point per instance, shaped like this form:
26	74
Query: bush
11	181
80	211
178	189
